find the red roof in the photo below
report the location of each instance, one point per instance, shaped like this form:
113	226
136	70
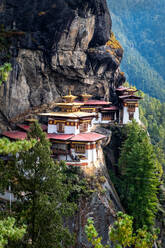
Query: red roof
26	127
114	108
94	102
87	137
59	136
15	135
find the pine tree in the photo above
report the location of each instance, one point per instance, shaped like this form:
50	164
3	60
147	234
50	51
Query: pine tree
42	192
140	176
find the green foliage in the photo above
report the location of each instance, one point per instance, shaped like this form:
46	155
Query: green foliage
121	234
43	191
140	176
144	238
92	235
152	114
74	177
8	147
4	72
8	230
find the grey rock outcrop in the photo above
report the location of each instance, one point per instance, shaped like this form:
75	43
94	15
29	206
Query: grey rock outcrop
102	206
54	45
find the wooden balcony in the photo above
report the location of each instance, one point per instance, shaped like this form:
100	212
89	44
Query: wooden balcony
60	151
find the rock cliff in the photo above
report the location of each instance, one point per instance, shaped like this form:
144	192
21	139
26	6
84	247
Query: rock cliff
54	44
101	204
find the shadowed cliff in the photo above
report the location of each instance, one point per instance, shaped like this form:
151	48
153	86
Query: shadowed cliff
55	44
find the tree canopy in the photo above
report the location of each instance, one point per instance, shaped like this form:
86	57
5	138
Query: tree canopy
9	147
42	191
140	174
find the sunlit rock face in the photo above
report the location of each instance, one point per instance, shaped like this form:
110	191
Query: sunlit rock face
58	43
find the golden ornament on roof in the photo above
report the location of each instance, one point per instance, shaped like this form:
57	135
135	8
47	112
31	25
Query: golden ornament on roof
86	96
31	120
131	90
69	98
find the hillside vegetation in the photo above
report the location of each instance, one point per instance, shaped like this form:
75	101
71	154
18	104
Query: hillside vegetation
139	26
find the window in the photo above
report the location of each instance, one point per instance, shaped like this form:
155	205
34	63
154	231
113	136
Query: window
112	116
131	114
88	110
80	148
60	127
131	108
108	116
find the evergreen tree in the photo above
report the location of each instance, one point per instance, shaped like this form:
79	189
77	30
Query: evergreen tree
139	176
42	192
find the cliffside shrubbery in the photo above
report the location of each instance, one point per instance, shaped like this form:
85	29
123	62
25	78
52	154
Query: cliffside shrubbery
122	235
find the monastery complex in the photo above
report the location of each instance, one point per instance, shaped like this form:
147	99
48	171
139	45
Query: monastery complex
70	127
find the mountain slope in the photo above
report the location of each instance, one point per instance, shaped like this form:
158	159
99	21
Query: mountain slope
139	26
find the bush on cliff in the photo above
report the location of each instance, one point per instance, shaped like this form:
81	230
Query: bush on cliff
121	234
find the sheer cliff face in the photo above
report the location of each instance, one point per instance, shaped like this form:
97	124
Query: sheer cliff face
57	44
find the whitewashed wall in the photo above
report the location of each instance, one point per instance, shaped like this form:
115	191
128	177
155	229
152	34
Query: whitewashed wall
137	115
90	154
126	115
97	121
52	128
71	130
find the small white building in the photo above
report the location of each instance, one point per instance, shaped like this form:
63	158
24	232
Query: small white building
129	106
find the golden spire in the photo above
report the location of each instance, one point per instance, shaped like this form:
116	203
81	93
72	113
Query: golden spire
131	90
85	96
69	98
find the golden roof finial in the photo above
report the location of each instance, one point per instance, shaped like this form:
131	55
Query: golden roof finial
69	98
85	96
131	90
70	92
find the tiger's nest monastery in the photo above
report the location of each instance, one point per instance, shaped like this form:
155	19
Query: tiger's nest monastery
69	128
